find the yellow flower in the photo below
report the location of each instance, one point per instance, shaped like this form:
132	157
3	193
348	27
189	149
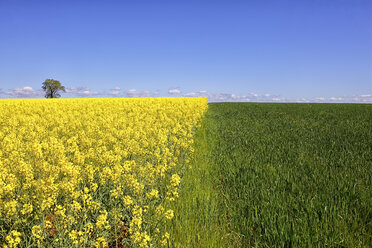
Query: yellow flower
169	214
164	242
27	209
102	220
153	194
73	235
175	180
37	232
127	200
70	158
100	242
13	239
159	210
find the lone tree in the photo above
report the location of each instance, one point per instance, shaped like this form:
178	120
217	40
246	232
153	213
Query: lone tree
52	87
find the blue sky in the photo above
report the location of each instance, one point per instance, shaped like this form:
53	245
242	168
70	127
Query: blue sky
226	50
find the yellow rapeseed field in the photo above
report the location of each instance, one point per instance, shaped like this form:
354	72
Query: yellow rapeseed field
92	172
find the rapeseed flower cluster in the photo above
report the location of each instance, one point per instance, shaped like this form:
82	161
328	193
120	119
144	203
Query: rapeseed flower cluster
92	172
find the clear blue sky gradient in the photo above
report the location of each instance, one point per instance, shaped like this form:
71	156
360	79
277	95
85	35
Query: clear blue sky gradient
287	48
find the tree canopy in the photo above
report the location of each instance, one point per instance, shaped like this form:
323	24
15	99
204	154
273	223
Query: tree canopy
52	88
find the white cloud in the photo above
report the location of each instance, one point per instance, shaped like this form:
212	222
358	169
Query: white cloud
26	91
174	91
82	92
218	97
366	98
251	97
74	90
275	99
301	100
319	99
367	95
115	92
191	94
137	93
336	98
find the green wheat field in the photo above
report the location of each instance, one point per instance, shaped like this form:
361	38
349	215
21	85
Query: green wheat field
279	175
